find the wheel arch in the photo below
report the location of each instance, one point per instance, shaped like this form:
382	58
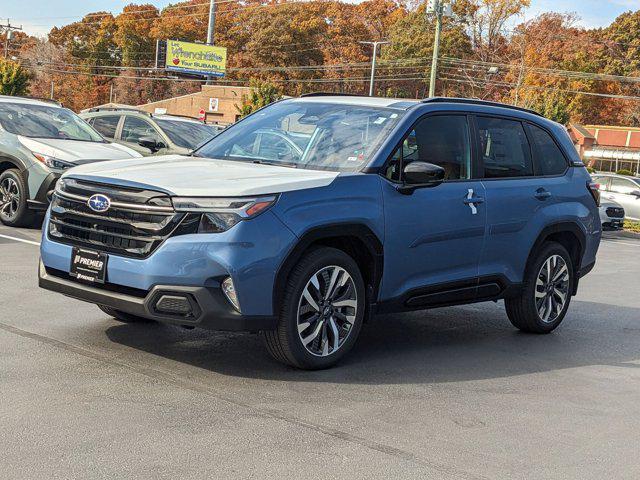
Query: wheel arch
355	239
568	234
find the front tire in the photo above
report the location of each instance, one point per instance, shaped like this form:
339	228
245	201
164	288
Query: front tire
123	316
14	210
546	294
322	311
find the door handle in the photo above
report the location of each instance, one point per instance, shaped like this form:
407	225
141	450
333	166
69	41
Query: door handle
472	201
542	194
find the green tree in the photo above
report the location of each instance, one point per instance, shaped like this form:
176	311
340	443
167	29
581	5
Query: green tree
14	80
261	95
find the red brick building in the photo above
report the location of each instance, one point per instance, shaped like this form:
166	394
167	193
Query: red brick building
607	148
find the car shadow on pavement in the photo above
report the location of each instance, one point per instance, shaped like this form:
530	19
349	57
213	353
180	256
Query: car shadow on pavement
443	345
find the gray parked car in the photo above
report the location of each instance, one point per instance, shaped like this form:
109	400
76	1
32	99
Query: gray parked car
621	189
39	140
150	134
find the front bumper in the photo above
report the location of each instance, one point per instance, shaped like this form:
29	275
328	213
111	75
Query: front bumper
42	199
208	307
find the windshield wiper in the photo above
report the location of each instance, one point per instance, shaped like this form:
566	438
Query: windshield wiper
276	163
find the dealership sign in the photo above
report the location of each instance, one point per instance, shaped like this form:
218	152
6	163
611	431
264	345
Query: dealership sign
192	58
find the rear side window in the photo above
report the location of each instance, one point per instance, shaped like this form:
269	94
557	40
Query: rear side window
550	159
504	147
107	125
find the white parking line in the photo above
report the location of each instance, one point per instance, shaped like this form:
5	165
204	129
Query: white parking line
616	242
30	242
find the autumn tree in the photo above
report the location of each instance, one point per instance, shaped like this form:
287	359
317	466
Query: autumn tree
14	79
261	95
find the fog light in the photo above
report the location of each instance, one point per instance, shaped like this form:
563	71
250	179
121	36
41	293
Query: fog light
230	292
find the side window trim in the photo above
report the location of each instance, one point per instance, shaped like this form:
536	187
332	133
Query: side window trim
470	134
537	169
480	160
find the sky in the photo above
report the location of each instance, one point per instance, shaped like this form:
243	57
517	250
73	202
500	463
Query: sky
38	16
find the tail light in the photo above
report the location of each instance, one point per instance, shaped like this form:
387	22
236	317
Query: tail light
594	190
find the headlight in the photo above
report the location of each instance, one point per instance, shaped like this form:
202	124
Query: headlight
52	162
220	214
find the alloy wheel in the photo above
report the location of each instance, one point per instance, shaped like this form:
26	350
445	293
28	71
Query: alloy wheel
552	288
9	198
327	310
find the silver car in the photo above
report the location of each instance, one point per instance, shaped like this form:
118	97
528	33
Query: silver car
621	189
39	140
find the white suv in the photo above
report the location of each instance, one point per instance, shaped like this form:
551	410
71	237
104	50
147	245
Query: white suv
39	140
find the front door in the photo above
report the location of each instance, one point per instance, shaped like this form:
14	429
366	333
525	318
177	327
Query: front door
434	236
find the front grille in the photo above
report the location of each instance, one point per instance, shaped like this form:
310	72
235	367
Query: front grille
137	222
615	212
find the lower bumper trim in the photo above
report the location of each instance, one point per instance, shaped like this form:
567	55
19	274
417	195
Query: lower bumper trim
211	310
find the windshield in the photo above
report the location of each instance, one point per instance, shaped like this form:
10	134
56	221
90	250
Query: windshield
39	121
187	134
301	134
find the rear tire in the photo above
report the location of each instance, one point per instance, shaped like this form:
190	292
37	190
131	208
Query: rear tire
123	316
14	210
321	313
546	293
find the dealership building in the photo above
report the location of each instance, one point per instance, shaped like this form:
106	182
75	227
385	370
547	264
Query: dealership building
607	148
217	104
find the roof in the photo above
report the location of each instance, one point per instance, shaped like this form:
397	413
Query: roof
582	130
400	103
30	101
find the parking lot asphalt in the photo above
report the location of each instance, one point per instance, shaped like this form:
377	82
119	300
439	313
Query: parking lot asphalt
448	393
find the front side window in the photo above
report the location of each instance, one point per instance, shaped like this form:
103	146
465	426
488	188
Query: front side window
504	148
551	159
106	125
40	121
622	185
187	134
441	140
135	128
306	134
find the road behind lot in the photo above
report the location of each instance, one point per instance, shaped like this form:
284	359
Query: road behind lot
450	393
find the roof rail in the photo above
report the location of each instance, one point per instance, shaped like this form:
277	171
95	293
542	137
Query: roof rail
116	109
331	94
40	99
473	101
189	117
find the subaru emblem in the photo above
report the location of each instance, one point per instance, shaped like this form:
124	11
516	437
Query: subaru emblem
99	203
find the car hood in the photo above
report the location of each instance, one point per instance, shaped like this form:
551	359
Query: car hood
199	177
73	150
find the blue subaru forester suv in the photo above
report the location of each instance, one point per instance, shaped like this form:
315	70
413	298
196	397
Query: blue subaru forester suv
314	213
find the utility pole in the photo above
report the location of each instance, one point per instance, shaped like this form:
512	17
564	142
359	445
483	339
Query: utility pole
211	29
440	8
8	29
373	62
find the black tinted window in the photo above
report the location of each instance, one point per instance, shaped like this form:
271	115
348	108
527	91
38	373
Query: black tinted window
106	125
504	148
550	159
441	140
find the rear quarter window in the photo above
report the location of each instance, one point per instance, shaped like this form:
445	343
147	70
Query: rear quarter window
550	159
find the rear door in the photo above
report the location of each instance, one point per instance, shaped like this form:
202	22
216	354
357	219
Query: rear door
520	192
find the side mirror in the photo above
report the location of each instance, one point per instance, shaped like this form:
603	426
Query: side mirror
150	143
421	175
636	193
